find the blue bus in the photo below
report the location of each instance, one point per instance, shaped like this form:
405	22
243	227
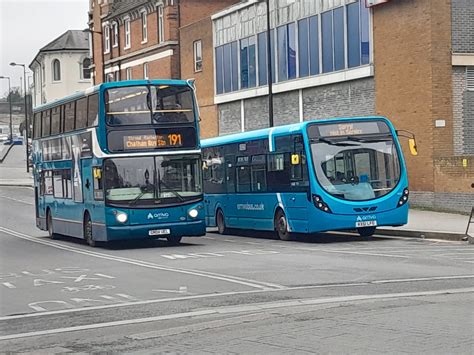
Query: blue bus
324	175
120	161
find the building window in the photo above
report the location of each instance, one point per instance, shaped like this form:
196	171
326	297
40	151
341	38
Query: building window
127	33
364	34
85	68
327	45
353	36
43	74
56	70
161	27
106	39
145	70
286	52
128	73
308	45
339	55
117	75
197	56
262	58
115	34
247	63
144	27
227	68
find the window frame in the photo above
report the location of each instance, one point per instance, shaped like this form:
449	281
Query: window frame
128	35
197	47
144	22
115	29
161	25
145	71
56	64
106	39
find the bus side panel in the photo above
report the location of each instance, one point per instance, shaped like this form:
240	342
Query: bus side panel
252	210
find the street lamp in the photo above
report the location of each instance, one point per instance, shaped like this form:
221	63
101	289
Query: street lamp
269	68
13	64
88	30
10	101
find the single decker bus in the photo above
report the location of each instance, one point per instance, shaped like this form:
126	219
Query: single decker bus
121	160
315	176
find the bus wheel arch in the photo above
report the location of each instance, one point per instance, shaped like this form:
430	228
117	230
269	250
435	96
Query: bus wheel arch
281	225
87	229
220	222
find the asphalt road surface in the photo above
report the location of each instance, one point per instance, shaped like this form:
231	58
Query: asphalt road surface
332	293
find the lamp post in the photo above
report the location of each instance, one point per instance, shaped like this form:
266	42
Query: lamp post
88	30
13	64
10	102
269	68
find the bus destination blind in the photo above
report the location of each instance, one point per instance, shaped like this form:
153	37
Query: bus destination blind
151	141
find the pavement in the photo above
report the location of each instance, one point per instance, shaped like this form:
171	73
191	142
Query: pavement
421	223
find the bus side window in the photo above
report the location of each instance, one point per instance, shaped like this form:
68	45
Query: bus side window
98	183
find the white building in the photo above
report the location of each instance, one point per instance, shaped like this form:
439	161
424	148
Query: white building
61	67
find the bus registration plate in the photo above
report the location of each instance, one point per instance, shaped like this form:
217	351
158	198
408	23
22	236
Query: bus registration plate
366	224
153	232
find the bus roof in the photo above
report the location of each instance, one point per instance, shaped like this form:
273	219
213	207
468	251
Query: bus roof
115	84
279	130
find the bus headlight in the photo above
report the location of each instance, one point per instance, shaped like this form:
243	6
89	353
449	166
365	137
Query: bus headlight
320	204
193	213
121	217
404	198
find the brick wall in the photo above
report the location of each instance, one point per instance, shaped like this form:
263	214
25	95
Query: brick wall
468	122
351	98
229	118
403	79
463	26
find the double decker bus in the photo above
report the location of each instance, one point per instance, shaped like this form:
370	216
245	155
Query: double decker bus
120	161
324	175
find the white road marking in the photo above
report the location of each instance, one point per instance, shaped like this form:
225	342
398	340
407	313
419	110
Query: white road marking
212	295
424	279
146	264
17	200
259	307
8	284
105	276
355	253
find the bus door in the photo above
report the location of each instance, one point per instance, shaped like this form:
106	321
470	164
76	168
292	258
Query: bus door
87	184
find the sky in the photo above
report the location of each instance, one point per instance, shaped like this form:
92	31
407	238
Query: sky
28	25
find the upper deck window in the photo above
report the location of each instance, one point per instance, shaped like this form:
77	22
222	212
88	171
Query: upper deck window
138	105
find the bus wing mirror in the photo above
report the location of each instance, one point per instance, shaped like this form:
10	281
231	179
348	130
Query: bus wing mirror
412	145
411	140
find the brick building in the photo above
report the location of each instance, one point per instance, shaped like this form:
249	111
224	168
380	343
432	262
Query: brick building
142	39
412	61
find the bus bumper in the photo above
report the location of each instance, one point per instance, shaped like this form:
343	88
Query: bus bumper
333	222
186	229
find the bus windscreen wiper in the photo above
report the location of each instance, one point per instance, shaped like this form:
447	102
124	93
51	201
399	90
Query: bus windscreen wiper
330	142
376	139
144	190
181	198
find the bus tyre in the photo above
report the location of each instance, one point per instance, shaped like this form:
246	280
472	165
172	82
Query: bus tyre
220	221
281	226
49	221
88	231
175	240
366	231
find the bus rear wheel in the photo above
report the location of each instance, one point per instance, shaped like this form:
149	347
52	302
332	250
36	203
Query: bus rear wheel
220	221
88	231
175	240
49	221
281	226
366	231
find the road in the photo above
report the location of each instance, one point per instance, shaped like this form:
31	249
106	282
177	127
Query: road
251	293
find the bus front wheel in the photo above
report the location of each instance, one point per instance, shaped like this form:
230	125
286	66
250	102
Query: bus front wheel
281	226
366	231
49	221
220	221
88	231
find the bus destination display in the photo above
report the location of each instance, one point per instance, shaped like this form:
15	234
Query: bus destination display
150	141
347	129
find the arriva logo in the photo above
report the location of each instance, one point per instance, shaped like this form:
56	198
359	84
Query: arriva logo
366	218
160	215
